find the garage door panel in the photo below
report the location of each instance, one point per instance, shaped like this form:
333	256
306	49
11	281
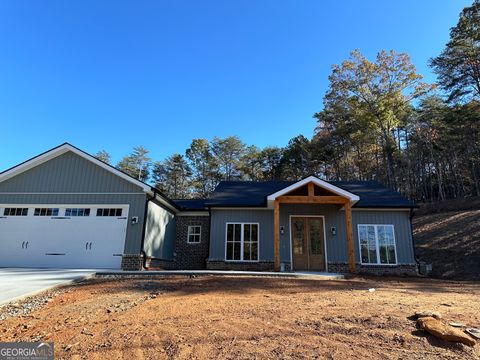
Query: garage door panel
63	241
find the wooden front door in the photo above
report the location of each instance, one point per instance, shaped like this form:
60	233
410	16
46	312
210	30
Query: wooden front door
308	243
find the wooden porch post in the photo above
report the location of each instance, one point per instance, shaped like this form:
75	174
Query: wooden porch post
276	235
349	229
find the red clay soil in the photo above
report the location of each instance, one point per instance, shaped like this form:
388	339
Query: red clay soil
449	239
264	318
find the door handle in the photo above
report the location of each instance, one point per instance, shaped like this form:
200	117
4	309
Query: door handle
23	245
90	247
26	245
86	246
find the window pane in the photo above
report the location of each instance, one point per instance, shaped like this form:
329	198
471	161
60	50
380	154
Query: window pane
229	251
255	232
254	251
238	233
364	252
118	212
246	251
372	246
86	212
383	254
246	232
236	250
391	254
25	212
230	232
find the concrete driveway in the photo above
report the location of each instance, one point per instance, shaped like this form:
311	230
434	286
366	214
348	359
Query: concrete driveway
17	283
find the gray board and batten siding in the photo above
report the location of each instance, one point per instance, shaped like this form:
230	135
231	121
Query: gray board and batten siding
70	179
334	217
159	232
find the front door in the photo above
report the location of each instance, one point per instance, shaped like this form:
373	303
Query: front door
308	242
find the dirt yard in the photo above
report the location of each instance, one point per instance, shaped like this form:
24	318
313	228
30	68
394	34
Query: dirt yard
231	317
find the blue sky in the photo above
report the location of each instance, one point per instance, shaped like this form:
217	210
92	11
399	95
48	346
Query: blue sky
115	74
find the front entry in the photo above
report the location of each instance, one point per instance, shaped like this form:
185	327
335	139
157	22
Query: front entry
308	243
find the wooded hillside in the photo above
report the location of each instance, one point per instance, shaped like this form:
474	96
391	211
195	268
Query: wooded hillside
447	234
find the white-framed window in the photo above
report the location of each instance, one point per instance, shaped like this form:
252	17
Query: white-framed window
194	235
77	212
377	244
45	212
241	242
15	212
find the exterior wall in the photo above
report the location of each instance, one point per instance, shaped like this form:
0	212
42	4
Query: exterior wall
71	179
337	255
159	232
218	231
191	256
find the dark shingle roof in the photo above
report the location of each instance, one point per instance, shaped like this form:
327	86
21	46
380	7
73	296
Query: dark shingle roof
252	194
190	204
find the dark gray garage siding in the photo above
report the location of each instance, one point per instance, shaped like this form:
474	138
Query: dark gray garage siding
71	179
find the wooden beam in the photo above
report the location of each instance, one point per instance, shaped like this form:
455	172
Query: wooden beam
349	230
276	235
311	190
312	199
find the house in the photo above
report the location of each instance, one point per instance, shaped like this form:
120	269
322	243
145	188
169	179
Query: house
66	209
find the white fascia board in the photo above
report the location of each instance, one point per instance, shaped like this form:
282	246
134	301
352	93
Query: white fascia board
321	183
165	203
62	150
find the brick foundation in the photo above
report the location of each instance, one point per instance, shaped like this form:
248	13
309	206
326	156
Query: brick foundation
132	262
403	269
240	266
156	263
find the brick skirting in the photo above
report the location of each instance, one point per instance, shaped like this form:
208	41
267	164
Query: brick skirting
132	262
240	266
152	262
403	269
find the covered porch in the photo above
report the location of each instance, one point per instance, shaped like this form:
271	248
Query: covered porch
304	214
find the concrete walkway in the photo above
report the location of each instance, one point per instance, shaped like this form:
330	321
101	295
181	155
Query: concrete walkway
18	283
302	274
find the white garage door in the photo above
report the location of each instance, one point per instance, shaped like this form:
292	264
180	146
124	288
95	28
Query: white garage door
77	236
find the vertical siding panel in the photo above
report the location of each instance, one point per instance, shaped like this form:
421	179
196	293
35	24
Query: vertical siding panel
401	222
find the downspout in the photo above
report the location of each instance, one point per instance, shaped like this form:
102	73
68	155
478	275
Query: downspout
209	234
142	251
412	212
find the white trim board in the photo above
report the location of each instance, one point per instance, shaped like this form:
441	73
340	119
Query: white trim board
62	149
321	183
377	247
242	241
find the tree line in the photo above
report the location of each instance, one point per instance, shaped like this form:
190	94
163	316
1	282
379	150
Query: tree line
379	121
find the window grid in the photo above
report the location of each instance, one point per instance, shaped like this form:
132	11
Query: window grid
377	244
77	212
241	243
109	212
194	234
15	212
45	212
